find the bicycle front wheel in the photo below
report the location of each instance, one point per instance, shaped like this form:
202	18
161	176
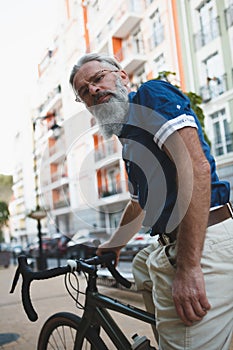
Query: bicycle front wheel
59	333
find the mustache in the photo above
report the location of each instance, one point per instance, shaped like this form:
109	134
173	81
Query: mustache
103	94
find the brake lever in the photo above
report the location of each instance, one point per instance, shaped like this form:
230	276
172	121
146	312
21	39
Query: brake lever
15	280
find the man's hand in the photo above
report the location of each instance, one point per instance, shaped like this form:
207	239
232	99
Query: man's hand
189	295
130	223
108	247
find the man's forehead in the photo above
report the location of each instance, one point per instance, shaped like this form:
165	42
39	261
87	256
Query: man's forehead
88	70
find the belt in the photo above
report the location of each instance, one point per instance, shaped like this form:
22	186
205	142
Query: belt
215	217
220	214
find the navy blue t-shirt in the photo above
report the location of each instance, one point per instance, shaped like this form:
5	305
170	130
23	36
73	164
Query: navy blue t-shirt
157	110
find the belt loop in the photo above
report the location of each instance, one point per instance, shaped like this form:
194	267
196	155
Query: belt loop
164	239
230	208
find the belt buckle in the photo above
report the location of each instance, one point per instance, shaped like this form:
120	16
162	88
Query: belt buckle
230	208
163	239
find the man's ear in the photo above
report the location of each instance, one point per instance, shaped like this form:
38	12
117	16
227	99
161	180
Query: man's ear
124	77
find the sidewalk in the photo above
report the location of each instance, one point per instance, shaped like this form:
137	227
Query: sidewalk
50	297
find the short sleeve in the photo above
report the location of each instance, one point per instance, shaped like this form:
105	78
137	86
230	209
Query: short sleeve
169	109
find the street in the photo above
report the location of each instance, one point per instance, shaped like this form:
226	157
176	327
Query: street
49	297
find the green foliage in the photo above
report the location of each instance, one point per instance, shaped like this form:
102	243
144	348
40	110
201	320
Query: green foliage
6	183
195	101
4	217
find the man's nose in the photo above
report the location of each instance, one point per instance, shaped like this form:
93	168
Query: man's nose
93	89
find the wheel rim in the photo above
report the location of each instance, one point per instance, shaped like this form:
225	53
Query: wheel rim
63	338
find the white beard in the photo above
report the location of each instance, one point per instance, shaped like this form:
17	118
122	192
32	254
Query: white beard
111	114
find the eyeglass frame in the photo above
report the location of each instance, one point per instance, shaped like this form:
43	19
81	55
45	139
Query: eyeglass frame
92	82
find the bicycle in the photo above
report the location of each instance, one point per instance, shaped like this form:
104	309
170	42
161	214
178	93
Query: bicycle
65	330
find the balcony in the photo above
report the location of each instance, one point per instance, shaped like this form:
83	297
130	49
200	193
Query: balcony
52	97
61	204
207	34
215	86
108	148
128	17
120	25
229	16
57	150
103	193
56	176
131	55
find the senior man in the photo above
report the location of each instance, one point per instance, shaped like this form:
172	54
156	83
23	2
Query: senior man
188	272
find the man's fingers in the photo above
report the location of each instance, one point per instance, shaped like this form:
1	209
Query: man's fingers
205	303
190	312
181	314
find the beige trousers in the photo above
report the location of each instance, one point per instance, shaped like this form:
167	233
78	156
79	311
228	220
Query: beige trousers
154	273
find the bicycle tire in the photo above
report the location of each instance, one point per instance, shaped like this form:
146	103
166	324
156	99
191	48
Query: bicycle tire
59	331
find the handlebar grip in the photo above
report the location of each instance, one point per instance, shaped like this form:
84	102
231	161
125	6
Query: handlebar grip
106	259
26	299
118	277
28	276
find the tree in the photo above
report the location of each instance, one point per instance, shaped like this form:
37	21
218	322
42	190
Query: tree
6	182
4	217
195	101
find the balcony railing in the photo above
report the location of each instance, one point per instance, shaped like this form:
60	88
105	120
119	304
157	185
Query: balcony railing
229	16
108	148
214	87
132	46
207	34
127	17
103	193
120	24
58	147
131	55
58	175
61	204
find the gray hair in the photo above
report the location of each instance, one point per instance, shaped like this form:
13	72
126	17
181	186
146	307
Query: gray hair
103	58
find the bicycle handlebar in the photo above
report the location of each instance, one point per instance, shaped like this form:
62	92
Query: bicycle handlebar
73	265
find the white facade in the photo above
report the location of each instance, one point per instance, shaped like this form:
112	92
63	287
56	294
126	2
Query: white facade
82	179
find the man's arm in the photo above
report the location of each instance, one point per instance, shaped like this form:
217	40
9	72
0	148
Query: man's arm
130	223
188	286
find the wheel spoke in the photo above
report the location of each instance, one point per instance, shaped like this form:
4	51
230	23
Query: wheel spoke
60	332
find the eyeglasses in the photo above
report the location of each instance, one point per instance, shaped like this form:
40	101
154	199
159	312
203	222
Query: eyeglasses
82	93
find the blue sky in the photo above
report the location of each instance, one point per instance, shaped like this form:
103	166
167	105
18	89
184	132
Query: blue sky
26	30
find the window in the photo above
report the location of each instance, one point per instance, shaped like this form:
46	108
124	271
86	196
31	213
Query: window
209	24
148	2
137	42
157	29
223	137
159	65
113	180
138	78
229	14
213	78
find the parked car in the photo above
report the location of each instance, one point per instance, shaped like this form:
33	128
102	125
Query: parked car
5	254
82	245
139	241
17	249
52	247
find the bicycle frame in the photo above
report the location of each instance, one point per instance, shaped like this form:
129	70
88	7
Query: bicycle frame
95	313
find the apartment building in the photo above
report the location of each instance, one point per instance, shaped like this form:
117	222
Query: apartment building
46	167
209	34
82	179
